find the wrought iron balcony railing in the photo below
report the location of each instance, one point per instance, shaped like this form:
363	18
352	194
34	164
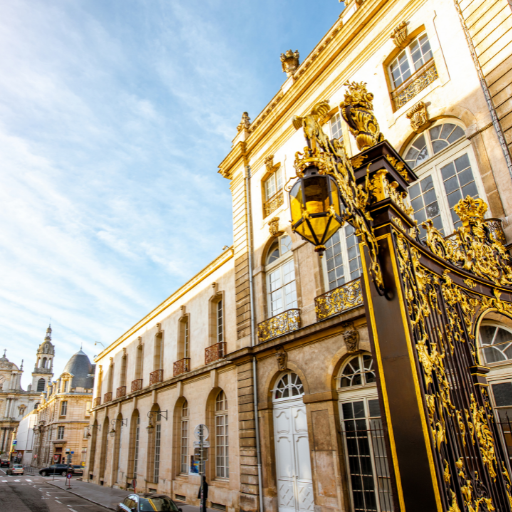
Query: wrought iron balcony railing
343	298
214	353
121	391
107	397
181	366
273	203
136	385
285	322
156	376
420	80
97	401
495	230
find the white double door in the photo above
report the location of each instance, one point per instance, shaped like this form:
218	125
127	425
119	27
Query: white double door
293	463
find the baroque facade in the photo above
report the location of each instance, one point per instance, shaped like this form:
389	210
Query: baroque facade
269	345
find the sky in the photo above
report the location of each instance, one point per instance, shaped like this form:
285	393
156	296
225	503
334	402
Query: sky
114	116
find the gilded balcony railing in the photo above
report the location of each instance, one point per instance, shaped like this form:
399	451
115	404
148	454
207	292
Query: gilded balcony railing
121	391
420	80
136	385
156	376
495	231
346	296
214	353
107	397
97	401
285	322
273	203
181	366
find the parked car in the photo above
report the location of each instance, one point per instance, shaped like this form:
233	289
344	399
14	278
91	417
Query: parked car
4	463
148	502
17	469
78	470
56	469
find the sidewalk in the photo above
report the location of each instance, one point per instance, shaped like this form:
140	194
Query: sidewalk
107	497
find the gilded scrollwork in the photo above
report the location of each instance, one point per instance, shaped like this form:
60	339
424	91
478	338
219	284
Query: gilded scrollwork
343	298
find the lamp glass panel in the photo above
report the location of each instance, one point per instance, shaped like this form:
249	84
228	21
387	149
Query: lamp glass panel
296	202
316	194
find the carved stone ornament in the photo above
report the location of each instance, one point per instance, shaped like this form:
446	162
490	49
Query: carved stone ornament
282	359
399	34
245	123
357	110
290	62
418	116
351	339
273	227
269	164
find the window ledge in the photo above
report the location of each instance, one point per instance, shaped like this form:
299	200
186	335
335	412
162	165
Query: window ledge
220	482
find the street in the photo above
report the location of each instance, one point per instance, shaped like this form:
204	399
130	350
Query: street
34	493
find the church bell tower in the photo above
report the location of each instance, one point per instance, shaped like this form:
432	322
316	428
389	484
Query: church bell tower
43	370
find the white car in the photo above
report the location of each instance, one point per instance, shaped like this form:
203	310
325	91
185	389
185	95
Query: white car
17	469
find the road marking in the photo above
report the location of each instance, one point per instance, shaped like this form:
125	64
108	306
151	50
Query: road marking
58	501
5	481
17	480
28	480
72	509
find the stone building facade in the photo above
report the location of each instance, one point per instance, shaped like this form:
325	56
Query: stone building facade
15	402
62	423
292	377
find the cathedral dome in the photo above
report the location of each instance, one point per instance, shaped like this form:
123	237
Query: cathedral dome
80	367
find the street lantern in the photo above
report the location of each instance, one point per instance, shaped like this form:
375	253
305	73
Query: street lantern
316	207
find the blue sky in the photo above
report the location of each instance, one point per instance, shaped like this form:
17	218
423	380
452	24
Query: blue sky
114	115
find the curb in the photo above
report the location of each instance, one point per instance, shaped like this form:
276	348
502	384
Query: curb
83	497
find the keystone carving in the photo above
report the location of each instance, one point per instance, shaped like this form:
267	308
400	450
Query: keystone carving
399	34
290	62
269	164
282	359
273	227
351	339
418	116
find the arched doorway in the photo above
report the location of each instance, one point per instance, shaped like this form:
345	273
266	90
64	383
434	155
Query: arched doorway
293	463
363	436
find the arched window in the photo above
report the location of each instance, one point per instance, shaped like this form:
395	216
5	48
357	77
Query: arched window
154	438
184	439
281	288
44	362
133	448
363	435
40	384
444	162
495	342
117	447
104	446
221	436
289	386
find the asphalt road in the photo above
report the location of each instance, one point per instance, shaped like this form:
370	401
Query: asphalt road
35	494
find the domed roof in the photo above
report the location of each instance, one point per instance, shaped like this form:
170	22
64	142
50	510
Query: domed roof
80	367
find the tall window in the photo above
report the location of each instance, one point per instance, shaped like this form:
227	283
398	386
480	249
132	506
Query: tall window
220	323
272	192
410	60
443	160
60	433
336	127
363	436
342	258
158	356
185	337
122	378
281	287
136	448
184	439
158	434
139	364
63	408
221	436
40	385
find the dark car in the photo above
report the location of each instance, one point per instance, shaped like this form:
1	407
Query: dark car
148	502
78	470
4	463
56	469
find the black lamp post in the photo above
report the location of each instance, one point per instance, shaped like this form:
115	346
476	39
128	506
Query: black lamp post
316	207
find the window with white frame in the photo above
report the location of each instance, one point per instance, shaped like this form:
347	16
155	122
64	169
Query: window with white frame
495	342
281	287
184	439
63	408
220	322
60	433
335	124
444	162
273	184
221	436
410	60
342	257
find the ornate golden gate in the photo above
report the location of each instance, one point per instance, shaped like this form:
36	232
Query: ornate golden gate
424	302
